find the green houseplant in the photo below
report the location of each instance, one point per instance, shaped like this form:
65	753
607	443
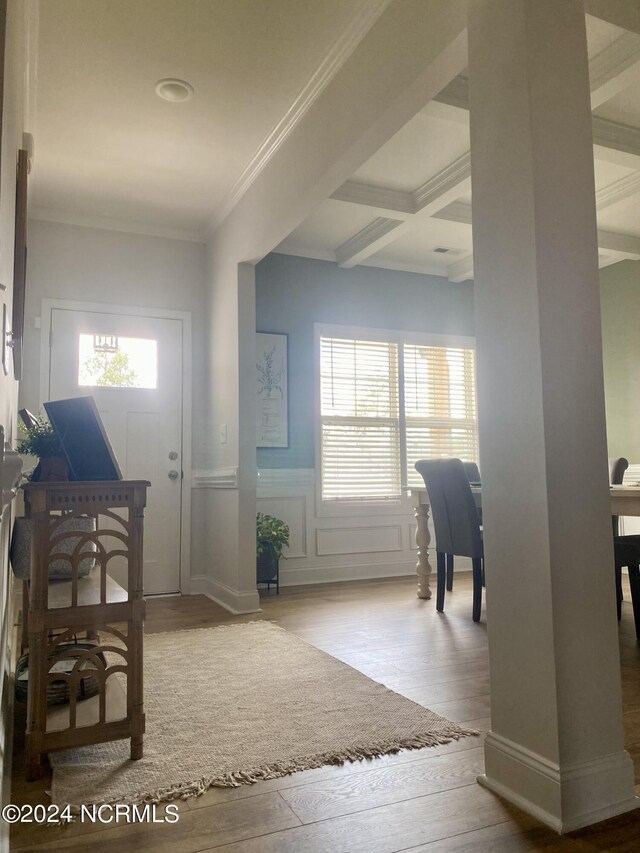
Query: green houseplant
272	535
40	440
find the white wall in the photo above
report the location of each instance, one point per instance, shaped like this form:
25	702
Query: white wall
96	265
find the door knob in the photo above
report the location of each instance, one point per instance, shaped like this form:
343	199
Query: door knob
173	475
173	456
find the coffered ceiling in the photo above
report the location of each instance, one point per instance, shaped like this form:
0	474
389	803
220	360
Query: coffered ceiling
409	206
111	153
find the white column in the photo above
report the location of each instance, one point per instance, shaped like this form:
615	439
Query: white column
556	745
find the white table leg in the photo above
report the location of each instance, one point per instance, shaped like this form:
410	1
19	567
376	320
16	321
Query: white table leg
423	538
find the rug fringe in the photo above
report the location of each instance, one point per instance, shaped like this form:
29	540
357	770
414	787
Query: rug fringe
185	790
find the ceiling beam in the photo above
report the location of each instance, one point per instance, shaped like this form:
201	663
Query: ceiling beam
433	195
370	239
611	70
394	204
622	244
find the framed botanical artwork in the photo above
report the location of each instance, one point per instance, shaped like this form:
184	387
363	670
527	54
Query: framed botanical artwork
272	413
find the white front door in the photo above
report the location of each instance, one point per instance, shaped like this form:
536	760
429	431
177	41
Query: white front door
132	365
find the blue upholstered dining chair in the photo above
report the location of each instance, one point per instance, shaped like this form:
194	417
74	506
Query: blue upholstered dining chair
626	550
455	521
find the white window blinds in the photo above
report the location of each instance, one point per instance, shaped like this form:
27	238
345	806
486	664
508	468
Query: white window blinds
383	406
439	405
360	440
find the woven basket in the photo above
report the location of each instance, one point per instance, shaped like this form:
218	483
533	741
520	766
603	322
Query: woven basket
58	691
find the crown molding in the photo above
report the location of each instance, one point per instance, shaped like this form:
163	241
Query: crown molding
447	180
105	223
618	191
401	266
342	48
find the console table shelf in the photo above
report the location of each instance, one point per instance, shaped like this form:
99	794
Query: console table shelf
55	611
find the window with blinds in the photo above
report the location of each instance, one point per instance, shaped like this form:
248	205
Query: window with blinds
439	405
360	438
383	406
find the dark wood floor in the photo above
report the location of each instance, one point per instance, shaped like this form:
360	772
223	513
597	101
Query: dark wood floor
425	801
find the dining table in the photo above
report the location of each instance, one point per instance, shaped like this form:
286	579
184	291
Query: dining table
625	500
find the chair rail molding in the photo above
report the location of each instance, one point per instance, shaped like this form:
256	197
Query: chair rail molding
217	478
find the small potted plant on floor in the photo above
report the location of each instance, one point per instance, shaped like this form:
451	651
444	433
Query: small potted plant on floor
272	535
40	440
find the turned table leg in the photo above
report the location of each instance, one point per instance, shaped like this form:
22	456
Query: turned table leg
423	538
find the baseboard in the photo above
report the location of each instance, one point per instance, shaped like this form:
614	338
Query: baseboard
231	599
564	799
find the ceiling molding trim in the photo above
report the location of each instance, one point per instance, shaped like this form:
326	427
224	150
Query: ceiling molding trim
390	201
105	223
365	17
370	239
448	180
402	266
610	70
618	191
461	270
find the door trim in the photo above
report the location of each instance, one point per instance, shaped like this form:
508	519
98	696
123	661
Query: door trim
46	309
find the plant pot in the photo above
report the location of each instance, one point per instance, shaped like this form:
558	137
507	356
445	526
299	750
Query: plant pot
51	469
267	566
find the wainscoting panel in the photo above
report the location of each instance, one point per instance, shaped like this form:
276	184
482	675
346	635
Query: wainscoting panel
344	546
358	540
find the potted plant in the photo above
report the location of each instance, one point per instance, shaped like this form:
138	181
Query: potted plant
272	535
40	440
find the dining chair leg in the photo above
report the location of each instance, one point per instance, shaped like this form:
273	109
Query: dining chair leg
449	572
477	588
634	583
441	581
619	591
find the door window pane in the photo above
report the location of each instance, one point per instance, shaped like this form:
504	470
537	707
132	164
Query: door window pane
109	361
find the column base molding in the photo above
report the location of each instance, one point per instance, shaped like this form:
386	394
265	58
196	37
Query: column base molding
564	799
233	600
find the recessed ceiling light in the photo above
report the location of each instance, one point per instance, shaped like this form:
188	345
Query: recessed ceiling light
172	89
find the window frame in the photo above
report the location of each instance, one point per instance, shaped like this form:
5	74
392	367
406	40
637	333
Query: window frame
363	507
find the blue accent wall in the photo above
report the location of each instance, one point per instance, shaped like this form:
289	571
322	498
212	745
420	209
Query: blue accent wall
294	293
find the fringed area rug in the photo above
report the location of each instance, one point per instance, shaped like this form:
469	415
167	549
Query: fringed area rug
232	705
